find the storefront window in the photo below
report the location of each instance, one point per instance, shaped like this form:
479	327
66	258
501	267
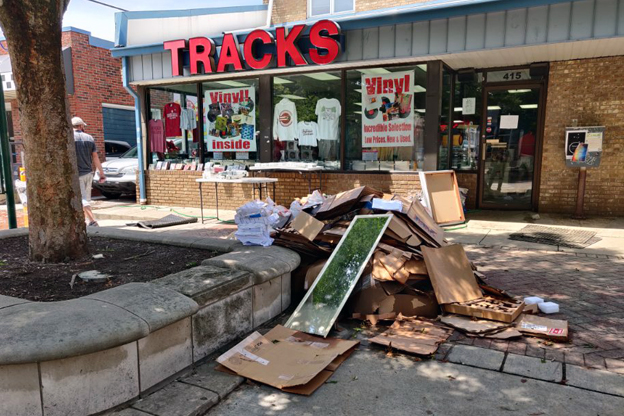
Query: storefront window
466	126
306	118
385	113
231	121
445	122
173	132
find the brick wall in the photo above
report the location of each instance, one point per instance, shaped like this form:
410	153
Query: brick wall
97	80
178	188
591	91
296	10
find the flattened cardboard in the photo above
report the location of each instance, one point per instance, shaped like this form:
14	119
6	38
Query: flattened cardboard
393	262
399	227
379	270
401	276
473	326
286	359
442	196
488	308
367	300
531	309
421	218
554	329
505	334
343	202
307	225
410	305
313	271
418	336
451	274
375	318
414	266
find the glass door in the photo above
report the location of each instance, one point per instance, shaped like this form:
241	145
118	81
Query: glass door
509	143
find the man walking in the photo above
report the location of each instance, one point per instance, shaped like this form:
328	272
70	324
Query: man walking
87	157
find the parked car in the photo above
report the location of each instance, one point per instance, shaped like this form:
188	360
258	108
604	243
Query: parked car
115	148
121	175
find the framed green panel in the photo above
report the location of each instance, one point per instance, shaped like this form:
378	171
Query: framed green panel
320	307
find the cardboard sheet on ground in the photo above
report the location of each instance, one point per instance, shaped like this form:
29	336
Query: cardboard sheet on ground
538	326
418	336
286	359
473	326
451	274
321	305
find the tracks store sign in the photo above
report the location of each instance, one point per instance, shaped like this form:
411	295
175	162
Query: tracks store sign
260	50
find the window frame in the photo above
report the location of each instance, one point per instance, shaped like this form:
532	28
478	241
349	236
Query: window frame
331	9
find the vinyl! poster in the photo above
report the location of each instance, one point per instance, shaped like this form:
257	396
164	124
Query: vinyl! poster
230	120
387	114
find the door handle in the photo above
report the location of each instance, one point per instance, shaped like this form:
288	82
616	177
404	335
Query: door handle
483	151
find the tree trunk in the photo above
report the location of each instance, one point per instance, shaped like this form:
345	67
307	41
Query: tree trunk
33	31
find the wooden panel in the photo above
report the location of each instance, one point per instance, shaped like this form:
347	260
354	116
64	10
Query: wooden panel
370	38
437	36
420	38
516	25
403	40
605	18
147	67
475	32
582	20
559	22
495	30
537	25
457	34
386	41
354	45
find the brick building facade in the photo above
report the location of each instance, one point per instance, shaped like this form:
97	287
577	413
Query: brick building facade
553	73
96	81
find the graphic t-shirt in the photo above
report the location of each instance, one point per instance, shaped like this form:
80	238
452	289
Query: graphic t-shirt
308	132
328	112
285	121
156	136
172	120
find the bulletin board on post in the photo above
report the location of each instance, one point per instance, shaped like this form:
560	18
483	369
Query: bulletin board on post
583	146
441	196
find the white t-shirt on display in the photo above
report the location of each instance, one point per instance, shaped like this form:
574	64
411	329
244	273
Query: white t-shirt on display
328	112
308	132
285	121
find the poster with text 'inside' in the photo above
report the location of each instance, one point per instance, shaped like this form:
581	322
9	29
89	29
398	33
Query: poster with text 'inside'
387	110
230	118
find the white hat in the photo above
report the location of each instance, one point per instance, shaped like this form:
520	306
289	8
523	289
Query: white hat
77	121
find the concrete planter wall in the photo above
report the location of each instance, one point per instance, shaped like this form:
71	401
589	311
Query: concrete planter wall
87	355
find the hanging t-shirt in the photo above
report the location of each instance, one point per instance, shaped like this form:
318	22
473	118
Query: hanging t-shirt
308	132
156	136
328	112
172	120
187	119
285	121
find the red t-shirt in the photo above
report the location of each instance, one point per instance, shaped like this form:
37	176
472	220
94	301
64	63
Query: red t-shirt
172	120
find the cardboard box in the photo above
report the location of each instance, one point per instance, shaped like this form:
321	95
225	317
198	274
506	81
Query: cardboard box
307	225
412	304
538	326
441	195
488	308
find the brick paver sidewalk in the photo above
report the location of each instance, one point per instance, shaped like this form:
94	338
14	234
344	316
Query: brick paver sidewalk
590	294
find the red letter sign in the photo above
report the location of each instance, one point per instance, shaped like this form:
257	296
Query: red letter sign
266	38
202	50
230	53
287	44
321	41
176	46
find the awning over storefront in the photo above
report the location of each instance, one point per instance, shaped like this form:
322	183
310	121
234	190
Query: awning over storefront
477	33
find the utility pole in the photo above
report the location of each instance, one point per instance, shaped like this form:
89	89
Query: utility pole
5	153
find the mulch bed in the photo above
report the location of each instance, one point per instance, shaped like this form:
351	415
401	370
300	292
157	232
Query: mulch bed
125	261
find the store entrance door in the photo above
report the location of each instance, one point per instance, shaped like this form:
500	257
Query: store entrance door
509	142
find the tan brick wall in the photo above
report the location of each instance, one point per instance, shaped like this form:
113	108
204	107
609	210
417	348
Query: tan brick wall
178	188
592	91
297	10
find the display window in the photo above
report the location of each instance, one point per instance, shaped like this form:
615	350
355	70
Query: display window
172	126
466	124
307	118
385	118
445	133
231	121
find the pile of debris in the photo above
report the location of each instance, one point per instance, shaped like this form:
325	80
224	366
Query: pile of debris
397	268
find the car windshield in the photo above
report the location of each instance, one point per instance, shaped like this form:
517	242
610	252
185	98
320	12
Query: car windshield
130	154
